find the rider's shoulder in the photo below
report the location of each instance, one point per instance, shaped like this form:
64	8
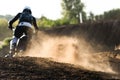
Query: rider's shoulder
18	14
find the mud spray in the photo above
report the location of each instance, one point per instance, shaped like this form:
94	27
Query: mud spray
68	49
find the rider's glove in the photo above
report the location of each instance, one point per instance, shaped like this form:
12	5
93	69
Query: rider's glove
10	27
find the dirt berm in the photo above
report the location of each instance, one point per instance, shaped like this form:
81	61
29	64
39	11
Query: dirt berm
30	68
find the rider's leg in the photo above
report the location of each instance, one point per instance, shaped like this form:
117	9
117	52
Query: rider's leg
13	44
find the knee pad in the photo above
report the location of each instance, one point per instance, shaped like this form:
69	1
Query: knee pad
14	40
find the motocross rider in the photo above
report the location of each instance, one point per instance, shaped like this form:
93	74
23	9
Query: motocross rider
25	23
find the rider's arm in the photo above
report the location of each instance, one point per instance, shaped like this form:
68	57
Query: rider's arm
14	19
35	24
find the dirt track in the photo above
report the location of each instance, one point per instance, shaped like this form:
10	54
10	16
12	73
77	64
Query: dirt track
30	68
70	43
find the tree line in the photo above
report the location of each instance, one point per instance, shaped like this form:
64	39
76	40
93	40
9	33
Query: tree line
72	13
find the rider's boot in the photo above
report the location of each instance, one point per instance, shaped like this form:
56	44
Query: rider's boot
12	50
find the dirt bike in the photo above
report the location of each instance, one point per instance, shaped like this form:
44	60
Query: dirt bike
21	46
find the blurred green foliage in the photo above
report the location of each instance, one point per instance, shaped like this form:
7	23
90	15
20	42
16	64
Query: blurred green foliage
113	14
4	31
5	42
72	10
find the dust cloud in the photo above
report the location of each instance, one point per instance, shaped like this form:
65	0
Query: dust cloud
69	50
